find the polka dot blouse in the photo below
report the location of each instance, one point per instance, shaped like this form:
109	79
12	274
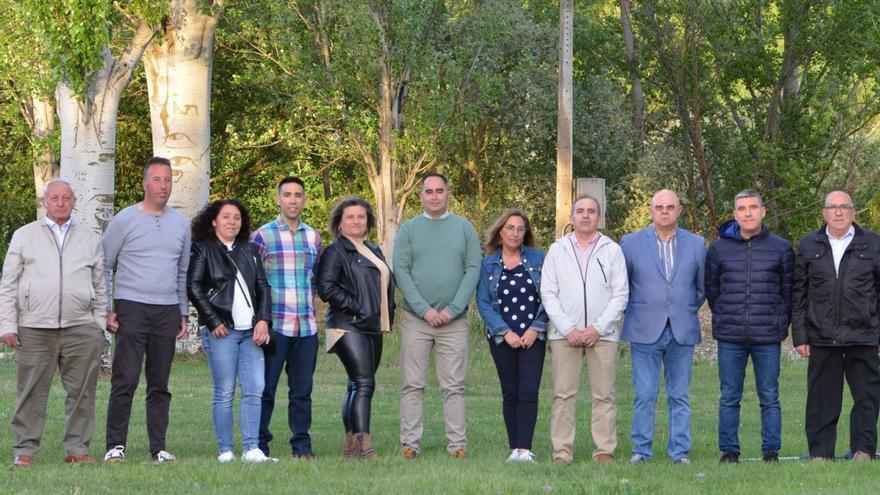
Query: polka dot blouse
518	298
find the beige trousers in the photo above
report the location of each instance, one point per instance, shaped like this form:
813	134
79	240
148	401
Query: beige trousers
76	353
567	361
450	343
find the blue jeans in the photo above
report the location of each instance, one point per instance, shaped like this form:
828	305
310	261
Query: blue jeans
231	357
646	361
298	356
732	360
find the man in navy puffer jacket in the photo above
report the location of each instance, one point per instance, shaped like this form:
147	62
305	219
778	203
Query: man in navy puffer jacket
748	286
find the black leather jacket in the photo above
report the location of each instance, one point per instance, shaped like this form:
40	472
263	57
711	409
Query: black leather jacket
352	285
210	281
837	310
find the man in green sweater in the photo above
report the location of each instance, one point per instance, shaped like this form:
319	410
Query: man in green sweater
436	267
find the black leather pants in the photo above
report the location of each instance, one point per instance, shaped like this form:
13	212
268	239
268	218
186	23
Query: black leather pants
360	354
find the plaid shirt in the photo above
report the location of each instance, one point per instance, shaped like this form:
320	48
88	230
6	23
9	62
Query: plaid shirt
291	262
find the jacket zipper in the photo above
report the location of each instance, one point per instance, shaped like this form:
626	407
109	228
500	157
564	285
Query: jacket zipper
60	272
584	278
748	289
837	289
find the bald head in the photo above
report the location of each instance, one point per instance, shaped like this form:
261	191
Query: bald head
665	210
665	196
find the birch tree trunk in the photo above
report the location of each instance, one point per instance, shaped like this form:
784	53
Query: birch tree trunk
179	87
39	112
88	132
88	137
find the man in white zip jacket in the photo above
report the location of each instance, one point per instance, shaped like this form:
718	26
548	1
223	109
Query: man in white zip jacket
584	289
53	307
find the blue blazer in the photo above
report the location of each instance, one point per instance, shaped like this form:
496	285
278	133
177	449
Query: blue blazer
652	299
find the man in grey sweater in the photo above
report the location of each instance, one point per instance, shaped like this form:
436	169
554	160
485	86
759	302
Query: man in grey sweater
147	247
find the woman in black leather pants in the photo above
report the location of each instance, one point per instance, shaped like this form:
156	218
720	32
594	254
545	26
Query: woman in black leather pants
355	280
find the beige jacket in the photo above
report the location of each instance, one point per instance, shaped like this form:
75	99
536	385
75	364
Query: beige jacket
43	287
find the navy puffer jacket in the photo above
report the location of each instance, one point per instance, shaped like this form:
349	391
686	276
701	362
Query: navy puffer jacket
748	286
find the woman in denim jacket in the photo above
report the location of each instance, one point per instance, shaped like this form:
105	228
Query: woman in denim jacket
509	300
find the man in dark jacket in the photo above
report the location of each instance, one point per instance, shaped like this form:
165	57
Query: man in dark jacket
835	324
748	285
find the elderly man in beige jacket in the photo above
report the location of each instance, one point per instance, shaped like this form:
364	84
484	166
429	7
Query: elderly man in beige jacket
52	312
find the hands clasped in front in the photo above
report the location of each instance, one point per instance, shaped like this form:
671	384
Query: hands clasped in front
521	342
583	337
437	318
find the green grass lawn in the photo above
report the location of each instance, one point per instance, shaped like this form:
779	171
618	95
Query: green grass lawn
191	438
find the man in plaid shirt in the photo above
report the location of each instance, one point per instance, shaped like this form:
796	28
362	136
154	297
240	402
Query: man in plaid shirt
290	251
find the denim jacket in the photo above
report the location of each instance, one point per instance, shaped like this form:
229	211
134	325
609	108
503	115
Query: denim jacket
487	292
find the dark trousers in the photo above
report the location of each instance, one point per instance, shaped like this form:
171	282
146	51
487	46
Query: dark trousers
298	356
144	329
519	371
827	368
360	353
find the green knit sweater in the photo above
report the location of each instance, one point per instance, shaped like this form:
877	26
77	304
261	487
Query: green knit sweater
436	264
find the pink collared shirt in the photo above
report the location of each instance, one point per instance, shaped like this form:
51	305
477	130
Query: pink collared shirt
583	252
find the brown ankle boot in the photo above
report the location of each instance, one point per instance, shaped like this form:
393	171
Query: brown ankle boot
364	444
349	449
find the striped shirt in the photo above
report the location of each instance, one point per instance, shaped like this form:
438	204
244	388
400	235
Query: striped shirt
291	262
667	254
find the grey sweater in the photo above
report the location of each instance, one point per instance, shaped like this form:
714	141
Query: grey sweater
150	255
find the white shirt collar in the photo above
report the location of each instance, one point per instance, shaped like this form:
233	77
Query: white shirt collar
54	225
442	217
849	233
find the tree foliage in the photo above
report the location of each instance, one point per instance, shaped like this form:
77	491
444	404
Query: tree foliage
779	95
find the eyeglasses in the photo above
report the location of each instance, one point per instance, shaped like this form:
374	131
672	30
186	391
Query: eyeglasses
514	228
839	208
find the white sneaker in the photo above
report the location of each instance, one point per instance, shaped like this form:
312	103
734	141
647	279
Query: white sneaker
163	456
256	456
226	457
514	456
527	456
115	455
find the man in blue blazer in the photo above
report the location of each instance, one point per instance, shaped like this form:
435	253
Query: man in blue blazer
665	265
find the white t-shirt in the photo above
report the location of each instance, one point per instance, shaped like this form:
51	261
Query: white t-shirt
242	307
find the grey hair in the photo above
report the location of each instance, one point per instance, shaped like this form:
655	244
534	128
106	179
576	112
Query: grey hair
587	196
841	192
748	193
57	181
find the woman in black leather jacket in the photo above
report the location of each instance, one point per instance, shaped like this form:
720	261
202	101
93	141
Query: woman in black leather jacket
355	279
227	285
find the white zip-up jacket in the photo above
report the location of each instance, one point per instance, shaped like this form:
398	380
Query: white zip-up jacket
47	287
572	302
